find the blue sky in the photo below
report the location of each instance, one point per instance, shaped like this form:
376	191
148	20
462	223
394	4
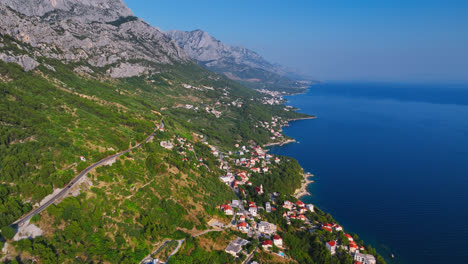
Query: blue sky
417	41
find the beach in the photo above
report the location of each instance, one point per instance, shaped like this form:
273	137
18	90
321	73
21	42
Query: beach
303	189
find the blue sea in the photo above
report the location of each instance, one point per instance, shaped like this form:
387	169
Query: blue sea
390	164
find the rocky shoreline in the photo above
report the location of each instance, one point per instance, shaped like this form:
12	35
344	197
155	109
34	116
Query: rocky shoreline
303	189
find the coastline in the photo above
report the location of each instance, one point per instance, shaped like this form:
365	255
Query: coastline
291	140
302	191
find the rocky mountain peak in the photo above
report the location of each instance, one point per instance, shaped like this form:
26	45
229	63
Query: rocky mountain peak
109	9
100	33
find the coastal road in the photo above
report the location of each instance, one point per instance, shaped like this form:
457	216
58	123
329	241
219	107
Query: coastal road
22	220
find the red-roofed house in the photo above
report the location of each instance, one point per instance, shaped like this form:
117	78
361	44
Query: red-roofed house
227	209
352	247
350	238
267	244
243	227
331	245
300	204
255	169
278	241
302	217
327	229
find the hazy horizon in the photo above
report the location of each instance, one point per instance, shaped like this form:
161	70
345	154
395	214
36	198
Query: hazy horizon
421	41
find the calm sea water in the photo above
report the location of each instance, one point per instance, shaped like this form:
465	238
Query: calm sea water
390	164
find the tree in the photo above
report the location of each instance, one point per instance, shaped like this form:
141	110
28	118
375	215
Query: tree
8	232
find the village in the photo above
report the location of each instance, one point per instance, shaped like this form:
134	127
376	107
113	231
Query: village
247	217
239	165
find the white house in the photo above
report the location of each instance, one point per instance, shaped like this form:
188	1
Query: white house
278	241
266	228
310	207
166	144
82	158
253	210
365	258
227	209
243	227
331	245
267	244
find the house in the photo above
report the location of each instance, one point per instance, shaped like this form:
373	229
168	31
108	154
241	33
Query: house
227	209
277	160
255	169
350	238
166	144
364	258
278	241
215	153
226	179
352	247
301	210
331	245
259	190
287	205
268	207
266	228
235	203
300	204
301	217
243	227
265	169
235	247
327	229
267	244
253	210
82	158
339	228
242	218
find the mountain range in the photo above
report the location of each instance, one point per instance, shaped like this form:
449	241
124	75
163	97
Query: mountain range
237	63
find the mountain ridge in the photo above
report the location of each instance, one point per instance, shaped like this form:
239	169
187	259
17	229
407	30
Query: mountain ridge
103	33
237	63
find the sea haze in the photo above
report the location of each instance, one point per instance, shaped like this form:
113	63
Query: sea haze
390	164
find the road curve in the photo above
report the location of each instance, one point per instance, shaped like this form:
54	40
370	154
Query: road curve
67	187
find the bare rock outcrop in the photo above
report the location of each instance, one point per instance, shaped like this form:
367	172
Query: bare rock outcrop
95	32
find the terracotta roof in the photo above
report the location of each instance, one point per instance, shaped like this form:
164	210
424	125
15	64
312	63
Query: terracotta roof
332	243
276	237
267	242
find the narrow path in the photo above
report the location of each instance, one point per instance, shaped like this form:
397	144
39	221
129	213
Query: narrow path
25	218
175	250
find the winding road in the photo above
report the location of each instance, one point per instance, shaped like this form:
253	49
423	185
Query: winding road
25	218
